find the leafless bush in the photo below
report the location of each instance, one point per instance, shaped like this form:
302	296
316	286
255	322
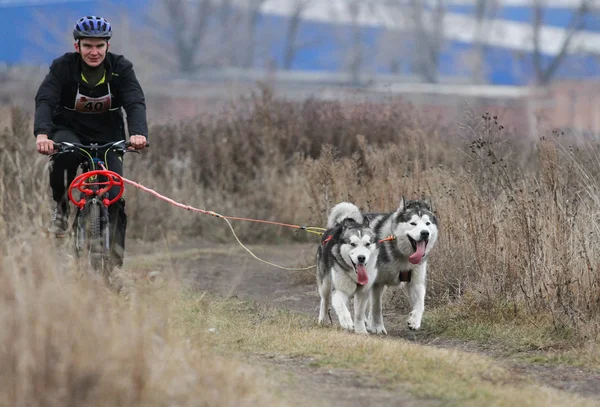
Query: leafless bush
518	217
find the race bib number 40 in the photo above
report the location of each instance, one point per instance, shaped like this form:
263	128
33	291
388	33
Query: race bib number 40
86	104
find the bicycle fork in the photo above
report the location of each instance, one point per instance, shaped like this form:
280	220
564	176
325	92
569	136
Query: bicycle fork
93	232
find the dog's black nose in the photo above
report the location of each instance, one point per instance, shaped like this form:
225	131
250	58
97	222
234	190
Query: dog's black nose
424	234
361	259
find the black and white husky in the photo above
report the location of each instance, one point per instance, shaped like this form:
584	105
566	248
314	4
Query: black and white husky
403	260
346	266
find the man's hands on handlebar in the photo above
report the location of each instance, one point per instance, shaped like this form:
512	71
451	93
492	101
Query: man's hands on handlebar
137	142
46	146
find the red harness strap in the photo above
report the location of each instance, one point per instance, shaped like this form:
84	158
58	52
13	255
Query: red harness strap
324	242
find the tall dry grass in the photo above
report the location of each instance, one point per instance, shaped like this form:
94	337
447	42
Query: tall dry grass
518	217
68	341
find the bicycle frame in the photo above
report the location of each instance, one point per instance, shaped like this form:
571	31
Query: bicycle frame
91	226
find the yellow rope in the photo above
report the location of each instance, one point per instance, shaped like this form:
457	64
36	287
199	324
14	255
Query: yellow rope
256	257
311	229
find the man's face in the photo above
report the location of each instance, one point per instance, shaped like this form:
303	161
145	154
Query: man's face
92	50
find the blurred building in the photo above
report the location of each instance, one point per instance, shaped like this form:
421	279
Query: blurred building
387	39
332	48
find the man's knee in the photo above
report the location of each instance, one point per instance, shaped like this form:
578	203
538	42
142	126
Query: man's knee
117	210
118	221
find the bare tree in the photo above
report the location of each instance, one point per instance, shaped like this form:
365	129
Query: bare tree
254	13
209	33
416	37
428	34
140	45
393	48
229	19
291	45
188	27
545	73
484	10
350	49
356	56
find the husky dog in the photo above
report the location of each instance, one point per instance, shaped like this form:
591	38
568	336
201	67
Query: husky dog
402	260
346	263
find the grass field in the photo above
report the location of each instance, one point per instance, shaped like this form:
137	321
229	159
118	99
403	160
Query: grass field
516	261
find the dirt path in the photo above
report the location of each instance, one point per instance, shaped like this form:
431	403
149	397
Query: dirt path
312	386
230	271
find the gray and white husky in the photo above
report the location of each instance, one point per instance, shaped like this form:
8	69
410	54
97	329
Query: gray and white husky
403	260
346	266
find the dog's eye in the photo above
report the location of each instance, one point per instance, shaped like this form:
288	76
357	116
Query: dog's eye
368	244
353	244
413	223
428	223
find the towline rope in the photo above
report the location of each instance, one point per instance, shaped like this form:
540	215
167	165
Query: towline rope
309	229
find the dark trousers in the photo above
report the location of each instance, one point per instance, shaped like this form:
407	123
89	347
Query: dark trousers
62	172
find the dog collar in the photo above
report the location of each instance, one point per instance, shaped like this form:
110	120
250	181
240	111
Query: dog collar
388	239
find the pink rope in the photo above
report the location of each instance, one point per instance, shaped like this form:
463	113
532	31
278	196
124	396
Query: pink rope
169	200
310	229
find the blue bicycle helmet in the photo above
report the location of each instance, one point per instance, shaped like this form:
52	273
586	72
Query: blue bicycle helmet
92	27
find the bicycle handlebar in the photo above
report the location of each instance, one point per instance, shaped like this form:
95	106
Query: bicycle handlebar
121	145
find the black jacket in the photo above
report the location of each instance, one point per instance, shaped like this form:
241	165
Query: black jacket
56	107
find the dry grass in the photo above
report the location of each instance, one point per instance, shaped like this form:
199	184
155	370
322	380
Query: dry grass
518	217
69	341
447	376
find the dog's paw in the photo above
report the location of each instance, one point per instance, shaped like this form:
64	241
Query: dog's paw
346	323
348	327
361	329
378	329
414	321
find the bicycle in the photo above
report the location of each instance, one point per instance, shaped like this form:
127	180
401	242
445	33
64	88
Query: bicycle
91	225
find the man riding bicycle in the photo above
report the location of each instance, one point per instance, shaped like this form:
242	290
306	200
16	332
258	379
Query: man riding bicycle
80	101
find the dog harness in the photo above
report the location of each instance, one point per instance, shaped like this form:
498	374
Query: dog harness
324	242
405	275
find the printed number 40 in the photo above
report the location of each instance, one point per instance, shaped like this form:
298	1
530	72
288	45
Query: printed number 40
94	106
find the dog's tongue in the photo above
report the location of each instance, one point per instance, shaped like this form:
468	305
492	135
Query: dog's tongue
416	257
362	274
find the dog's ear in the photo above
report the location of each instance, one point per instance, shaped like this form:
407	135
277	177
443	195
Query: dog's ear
402	204
429	203
365	221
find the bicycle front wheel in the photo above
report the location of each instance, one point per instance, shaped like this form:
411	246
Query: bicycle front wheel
96	248
91	237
